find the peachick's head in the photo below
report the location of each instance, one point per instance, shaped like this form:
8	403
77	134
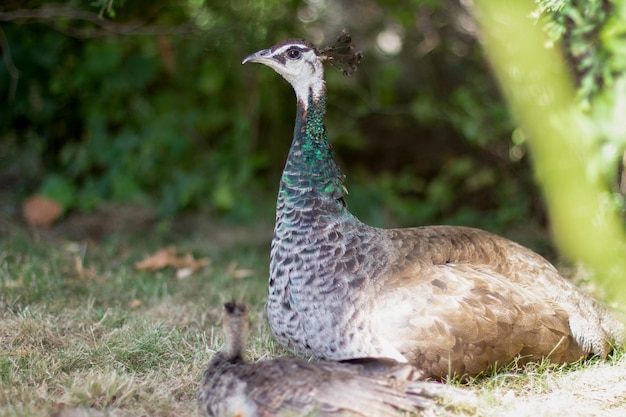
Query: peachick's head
236	325
301	63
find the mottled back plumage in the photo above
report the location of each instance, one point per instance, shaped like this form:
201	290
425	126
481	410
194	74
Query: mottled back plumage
288	387
450	300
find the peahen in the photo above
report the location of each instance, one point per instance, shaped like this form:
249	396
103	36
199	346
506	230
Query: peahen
449	300
287	387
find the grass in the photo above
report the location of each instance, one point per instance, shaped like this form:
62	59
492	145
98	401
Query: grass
81	327
591	388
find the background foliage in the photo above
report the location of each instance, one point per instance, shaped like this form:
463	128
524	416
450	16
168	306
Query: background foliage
147	101
574	142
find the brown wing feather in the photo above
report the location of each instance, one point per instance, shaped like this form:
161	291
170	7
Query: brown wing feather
470	299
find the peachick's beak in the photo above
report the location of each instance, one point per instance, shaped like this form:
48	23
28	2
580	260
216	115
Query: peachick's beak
263	55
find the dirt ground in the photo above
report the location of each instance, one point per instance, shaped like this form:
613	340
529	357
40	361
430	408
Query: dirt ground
596	390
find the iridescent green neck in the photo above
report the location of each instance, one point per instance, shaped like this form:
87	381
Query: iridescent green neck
310	165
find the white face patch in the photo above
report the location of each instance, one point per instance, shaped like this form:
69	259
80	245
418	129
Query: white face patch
300	65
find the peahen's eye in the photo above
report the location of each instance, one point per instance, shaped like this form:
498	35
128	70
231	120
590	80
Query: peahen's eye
294	53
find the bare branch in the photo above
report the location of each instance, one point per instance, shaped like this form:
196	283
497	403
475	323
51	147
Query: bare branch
8	61
51	14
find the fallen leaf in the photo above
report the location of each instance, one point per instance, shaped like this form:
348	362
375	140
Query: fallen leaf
158	260
233	271
135	303
41	211
189	262
186	265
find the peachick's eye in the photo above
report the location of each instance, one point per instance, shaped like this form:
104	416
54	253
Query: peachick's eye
294	54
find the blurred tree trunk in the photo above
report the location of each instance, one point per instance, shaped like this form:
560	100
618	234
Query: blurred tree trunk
563	141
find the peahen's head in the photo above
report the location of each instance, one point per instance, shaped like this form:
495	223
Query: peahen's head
301	63
298	62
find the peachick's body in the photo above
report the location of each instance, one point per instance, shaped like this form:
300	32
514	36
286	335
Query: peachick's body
289	387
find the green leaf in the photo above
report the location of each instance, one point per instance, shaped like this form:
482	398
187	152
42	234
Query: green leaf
60	189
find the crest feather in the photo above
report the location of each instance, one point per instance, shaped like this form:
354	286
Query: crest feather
341	54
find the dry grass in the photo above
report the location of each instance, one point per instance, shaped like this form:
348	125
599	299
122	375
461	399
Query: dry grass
595	388
124	363
84	334
144	362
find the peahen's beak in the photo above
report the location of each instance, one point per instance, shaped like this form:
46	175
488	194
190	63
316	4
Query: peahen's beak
263	56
